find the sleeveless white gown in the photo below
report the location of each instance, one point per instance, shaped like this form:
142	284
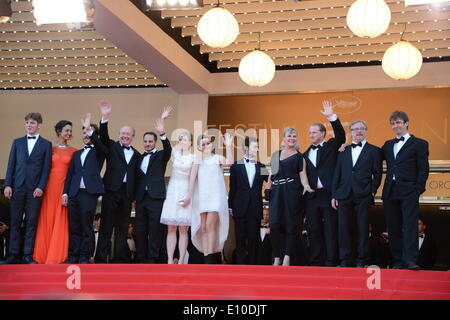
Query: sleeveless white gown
172	213
212	196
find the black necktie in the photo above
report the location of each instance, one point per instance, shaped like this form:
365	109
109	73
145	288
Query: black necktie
316	147
354	145
88	147
31	137
397	140
128	148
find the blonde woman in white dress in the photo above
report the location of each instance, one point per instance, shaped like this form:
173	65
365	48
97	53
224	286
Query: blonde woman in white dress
210	217
175	214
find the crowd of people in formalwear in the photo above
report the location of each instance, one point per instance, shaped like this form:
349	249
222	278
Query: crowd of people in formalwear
314	198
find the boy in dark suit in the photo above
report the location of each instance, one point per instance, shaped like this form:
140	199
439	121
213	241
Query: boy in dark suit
29	166
427	248
245	201
82	188
356	180
407	172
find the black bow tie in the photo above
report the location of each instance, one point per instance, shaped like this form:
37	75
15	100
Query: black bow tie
316	147
397	140
267	227
421	235
31	137
88	146
354	145
148	153
128	148
96	231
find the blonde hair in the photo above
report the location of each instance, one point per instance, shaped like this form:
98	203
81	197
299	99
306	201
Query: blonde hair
289	130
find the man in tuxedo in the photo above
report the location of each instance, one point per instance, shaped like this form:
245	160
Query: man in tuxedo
427	248
407	172
119	183
356	180
245	201
150	193
82	188
264	245
29	166
321	159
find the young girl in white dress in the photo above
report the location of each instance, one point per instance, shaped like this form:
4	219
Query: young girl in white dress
174	214
210	217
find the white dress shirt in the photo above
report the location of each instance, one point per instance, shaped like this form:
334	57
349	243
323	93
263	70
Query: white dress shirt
264	231
398	146
250	167
128	154
312	155
83	158
356	151
145	161
31	143
421	240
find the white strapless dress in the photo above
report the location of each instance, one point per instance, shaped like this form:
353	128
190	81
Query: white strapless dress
212	196
172	213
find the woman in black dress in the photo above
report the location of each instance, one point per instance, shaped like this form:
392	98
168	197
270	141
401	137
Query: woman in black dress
288	182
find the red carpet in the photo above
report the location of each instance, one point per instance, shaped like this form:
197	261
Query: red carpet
192	282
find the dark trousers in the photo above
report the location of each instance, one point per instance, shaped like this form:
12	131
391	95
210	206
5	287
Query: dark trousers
149	231
23	201
402	213
81	209
264	251
247	233
3	246
116	209
322	229
347	209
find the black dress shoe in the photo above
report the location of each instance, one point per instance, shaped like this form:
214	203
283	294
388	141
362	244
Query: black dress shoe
84	261
412	266
28	260
397	266
345	264
10	260
360	265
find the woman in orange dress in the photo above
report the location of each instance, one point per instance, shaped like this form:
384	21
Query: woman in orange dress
52	235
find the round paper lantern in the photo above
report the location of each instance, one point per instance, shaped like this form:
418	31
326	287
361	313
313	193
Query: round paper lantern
256	69
218	28
402	61
368	18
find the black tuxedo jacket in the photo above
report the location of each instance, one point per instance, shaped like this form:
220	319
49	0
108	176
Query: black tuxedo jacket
116	164
153	179
427	253
326	159
242	198
410	168
90	171
33	169
361	180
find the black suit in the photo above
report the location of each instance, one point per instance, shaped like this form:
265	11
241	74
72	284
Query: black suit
83	201
264	249
117	200
322	218
25	173
401	197
354	186
150	195
247	205
427	253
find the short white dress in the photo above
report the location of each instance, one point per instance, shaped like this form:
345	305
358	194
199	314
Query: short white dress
212	196
172	213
